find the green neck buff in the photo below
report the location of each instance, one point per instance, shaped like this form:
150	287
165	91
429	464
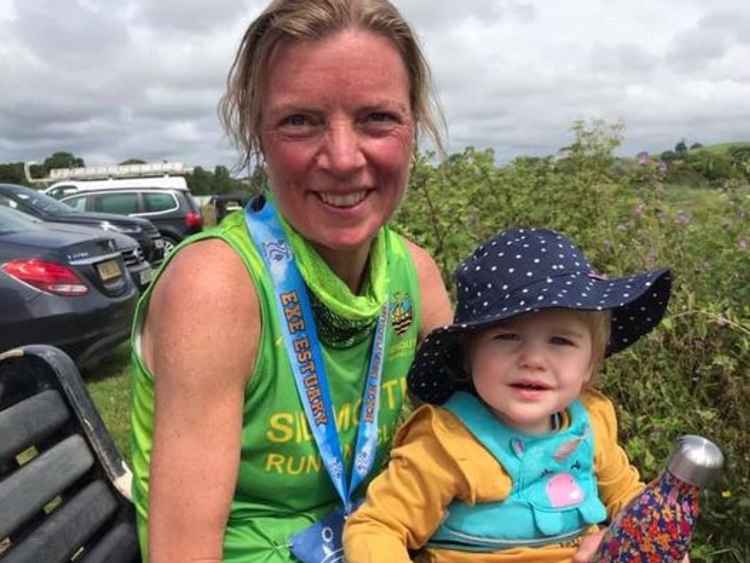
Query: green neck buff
342	316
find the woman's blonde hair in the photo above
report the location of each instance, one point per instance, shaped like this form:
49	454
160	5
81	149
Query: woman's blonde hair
241	105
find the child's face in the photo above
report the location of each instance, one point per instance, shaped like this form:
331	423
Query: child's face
532	366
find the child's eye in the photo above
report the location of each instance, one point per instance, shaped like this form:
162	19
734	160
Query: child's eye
562	341
506	337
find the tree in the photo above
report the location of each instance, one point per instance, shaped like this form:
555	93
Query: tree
200	181
681	148
669	156
12	173
132	161
258	179
696	146
594	145
62	160
223	182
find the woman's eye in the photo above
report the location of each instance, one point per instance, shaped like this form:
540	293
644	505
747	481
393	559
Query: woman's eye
297	120
380	121
299	125
380	116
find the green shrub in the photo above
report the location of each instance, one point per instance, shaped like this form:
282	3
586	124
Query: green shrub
692	374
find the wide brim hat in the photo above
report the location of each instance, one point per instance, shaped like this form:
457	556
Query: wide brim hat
523	271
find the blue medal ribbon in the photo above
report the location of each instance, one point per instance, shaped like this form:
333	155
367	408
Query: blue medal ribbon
305	356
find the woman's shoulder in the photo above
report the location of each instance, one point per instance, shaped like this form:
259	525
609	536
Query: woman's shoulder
208	267
204	305
436	306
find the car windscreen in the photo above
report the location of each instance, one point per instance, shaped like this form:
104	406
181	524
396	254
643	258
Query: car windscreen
42	202
12	221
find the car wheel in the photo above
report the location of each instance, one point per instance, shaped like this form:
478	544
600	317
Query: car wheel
169	244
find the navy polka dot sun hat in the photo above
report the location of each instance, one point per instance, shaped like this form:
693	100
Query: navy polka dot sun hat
525	270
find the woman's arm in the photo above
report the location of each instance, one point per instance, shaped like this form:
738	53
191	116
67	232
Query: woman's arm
200	341
436	306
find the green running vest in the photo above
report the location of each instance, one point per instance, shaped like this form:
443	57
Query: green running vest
282	485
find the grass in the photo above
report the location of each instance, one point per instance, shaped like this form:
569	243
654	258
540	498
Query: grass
722	148
109	387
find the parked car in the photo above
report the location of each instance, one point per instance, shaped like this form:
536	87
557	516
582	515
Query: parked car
139	269
69	186
226	203
173	211
62	287
48	208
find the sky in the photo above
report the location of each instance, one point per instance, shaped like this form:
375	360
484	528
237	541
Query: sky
109	81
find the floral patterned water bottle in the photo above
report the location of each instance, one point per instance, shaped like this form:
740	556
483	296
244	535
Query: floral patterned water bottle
657	525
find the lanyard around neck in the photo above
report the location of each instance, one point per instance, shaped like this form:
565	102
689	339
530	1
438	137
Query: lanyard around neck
306	358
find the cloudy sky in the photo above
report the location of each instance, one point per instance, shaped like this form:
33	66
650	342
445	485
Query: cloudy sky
110	80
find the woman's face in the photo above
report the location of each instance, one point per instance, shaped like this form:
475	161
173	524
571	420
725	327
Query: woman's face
337	136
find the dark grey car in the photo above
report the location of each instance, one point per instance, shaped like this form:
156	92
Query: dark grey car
49	209
62	287
172	211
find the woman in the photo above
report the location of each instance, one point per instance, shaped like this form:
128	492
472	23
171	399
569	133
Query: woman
331	94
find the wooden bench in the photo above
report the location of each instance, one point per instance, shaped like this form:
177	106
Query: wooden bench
64	488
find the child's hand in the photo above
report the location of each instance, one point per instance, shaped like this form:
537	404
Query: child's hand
588	547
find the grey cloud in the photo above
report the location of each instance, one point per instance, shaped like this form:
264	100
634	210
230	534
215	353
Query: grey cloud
69	37
438	14
628	58
189	16
709	40
141	78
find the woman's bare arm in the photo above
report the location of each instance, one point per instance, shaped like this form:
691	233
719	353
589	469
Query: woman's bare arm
436	306
200	342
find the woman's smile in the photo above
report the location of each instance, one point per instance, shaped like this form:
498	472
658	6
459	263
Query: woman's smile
342	201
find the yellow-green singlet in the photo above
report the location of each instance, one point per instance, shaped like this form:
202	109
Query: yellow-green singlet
282	485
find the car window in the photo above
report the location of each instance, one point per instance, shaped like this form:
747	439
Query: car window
7	202
121	204
59	192
78	203
14	221
37	201
157	202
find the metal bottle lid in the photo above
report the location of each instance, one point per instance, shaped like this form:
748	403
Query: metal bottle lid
696	460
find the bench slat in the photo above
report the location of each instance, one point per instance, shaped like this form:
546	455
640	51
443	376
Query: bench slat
120	545
25	492
67	528
30	421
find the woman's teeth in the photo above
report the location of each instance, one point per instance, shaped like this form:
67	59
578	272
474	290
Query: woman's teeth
342	200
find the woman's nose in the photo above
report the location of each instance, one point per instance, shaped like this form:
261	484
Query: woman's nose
341	152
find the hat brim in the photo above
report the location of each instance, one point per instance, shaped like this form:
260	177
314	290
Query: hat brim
637	303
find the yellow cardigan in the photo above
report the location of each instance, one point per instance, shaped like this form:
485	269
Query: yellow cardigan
436	460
